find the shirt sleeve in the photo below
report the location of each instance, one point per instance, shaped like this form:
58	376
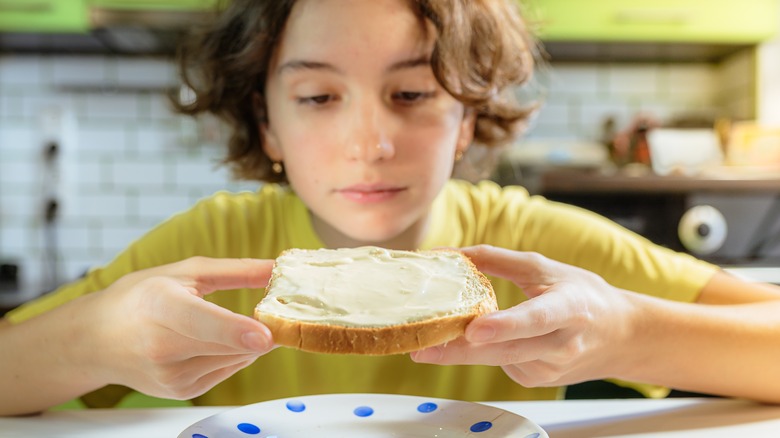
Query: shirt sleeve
623	258
163	244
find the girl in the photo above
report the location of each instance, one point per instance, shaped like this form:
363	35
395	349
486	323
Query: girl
364	107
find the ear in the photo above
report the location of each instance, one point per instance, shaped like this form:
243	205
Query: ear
270	143
269	140
466	131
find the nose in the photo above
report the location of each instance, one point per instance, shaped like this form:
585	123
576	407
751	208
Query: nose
369	138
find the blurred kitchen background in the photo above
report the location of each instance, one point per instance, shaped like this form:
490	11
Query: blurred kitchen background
663	115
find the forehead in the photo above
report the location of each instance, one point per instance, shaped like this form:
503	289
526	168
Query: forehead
354	29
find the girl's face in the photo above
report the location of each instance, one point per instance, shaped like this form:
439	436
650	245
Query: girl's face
366	134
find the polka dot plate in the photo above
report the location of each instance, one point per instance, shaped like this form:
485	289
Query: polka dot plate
365	416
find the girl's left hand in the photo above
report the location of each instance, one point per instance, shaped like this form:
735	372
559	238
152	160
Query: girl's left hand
574	326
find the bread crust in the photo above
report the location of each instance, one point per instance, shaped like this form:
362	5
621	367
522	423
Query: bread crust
382	340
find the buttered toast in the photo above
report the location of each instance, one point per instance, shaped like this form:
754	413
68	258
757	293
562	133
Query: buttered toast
372	300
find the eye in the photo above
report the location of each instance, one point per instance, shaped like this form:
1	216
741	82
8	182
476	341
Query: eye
412	97
318	100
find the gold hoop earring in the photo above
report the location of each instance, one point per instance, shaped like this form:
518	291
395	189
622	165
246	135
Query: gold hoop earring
458	156
277	167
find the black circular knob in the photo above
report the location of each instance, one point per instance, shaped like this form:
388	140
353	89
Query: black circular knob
703	230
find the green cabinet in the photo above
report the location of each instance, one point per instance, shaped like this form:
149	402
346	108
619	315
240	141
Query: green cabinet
152	5
73	16
694	21
43	16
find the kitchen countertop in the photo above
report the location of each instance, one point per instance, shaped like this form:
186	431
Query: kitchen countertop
675	417
765	274
600	181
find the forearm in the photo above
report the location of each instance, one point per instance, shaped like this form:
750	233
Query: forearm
731	350
45	362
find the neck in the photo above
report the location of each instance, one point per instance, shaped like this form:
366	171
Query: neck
409	239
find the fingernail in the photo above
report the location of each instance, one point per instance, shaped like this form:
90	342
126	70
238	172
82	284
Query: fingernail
255	341
482	334
433	354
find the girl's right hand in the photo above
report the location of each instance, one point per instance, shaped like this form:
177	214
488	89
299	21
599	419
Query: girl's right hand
153	331
574	326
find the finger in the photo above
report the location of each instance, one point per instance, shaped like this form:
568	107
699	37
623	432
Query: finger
200	366
538	316
198	319
461	352
207	274
222	274
523	268
199	385
218	325
179	348
534	374
212	379
518	374
526	269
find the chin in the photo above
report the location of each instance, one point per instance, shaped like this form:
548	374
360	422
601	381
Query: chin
370	237
378	234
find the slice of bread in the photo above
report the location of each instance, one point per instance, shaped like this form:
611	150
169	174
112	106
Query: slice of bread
371	300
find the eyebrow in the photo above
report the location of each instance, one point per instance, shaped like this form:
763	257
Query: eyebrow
300	64
421	61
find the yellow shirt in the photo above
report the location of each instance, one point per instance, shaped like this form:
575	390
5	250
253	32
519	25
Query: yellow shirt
263	224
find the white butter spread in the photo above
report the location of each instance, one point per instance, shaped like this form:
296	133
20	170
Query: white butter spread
366	286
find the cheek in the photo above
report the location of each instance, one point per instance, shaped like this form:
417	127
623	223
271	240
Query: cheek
303	139
435	133
306	152
299	137
304	171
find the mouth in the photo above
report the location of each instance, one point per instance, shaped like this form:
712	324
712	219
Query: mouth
370	193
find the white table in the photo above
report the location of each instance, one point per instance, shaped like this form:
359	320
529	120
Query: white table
764	274
692	417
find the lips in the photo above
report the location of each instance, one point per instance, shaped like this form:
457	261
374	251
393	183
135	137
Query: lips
370	193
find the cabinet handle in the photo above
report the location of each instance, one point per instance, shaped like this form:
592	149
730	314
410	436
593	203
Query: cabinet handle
27	7
650	16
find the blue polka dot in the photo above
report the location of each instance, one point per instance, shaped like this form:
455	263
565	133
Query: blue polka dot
427	407
197	435
363	411
481	426
533	435
248	428
296	406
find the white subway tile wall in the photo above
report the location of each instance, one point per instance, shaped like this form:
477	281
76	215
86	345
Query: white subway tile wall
737	84
126	162
581	96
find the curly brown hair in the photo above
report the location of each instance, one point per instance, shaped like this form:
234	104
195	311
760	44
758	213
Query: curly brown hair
482	51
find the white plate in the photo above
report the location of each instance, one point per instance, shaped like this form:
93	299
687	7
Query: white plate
365	416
